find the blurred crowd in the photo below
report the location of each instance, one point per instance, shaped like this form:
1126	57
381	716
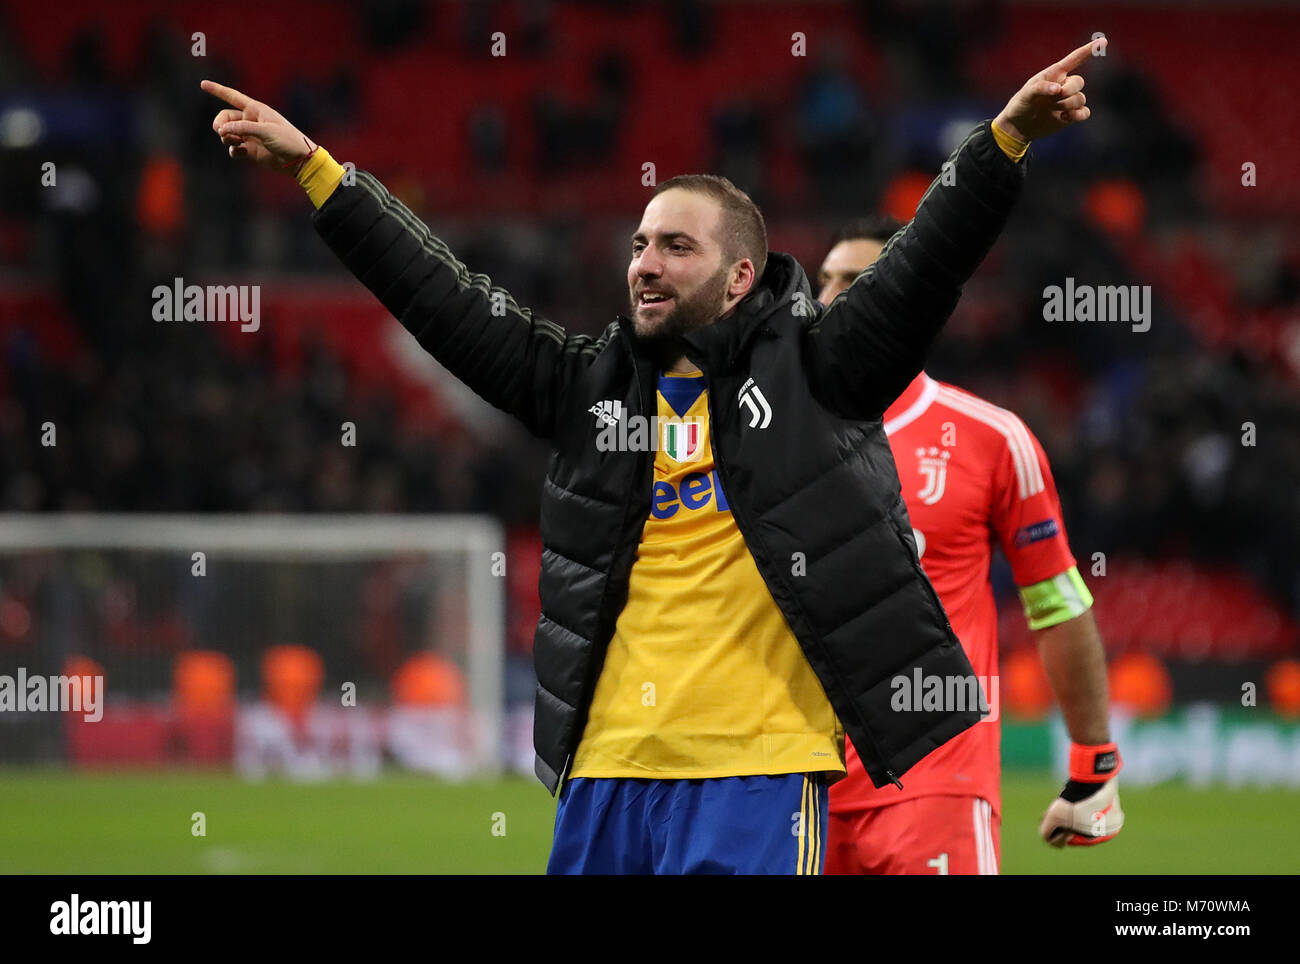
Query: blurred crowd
180	424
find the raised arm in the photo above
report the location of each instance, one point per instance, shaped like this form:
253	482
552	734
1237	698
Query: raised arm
865	348
518	361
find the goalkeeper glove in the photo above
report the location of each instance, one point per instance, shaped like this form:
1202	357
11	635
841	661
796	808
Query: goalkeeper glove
1087	811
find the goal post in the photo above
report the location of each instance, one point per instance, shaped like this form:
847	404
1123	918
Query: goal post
236	583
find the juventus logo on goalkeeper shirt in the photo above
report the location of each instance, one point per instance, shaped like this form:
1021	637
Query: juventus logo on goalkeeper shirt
932	464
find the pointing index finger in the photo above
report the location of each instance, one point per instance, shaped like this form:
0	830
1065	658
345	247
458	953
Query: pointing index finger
1076	58
231	96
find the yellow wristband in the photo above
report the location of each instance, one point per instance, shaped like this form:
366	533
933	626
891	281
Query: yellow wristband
1012	147
320	176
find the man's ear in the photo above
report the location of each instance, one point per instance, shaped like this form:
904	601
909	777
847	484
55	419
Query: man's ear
743	279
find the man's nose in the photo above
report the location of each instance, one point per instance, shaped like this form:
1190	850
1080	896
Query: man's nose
649	265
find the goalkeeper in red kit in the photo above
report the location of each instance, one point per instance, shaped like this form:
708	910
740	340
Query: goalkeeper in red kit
971	473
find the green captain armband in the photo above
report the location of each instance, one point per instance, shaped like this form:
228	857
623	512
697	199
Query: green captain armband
1055	600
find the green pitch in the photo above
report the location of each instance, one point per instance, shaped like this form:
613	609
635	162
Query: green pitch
56	822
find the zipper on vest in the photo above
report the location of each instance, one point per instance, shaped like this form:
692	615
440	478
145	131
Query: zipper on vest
738	515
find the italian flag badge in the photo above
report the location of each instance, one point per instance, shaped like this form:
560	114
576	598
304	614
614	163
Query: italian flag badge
681	438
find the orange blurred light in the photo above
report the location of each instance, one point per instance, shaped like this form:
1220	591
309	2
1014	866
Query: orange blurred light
1025	690
427	679
1116	207
160	202
1283	687
903	195
203	683
1140	683
81	666
291	677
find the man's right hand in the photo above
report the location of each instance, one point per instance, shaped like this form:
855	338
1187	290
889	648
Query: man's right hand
253	131
1087	811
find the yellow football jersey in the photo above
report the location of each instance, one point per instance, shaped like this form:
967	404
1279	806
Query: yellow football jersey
703	677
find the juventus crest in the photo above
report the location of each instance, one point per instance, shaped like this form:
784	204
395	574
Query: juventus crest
932	463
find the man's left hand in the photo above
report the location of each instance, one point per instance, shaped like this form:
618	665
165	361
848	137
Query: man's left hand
1087	811
1051	100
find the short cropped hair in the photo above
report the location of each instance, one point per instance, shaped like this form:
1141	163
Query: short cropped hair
744	235
877	227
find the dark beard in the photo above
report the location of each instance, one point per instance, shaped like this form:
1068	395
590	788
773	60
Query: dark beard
666	344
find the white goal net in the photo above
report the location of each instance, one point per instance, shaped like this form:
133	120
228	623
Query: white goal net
311	646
